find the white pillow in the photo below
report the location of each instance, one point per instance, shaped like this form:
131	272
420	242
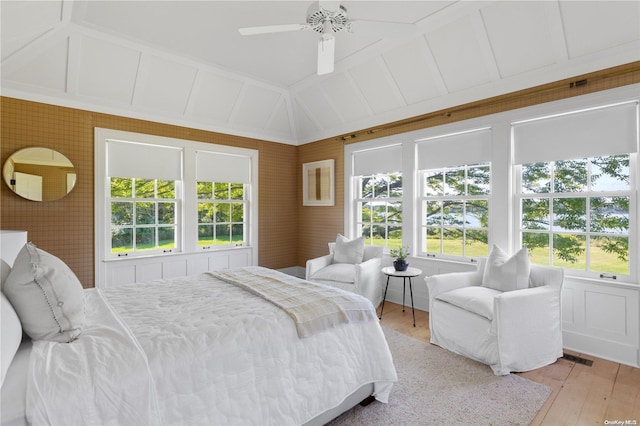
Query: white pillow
348	251
46	295
506	273
11	335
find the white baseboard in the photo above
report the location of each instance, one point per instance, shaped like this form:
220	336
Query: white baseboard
601	348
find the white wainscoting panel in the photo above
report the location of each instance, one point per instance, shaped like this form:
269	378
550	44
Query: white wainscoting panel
141	269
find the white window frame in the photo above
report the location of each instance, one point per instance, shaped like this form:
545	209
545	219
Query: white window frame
187	234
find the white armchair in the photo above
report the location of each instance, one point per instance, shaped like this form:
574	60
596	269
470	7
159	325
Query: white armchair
516	330
363	278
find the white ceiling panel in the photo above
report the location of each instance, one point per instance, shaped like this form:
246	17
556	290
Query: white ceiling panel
163	85
185	62
213	97
54	64
318	107
460	53
255	107
377	86
106	70
529	45
279	124
414	71
345	97
23	22
594	26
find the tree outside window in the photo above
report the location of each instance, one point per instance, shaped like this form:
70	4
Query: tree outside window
455	210
379	209
575	213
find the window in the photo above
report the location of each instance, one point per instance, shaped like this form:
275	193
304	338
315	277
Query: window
455	210
575	213
221	214
454	197
185	197
144	215
379	209
576	192
377	192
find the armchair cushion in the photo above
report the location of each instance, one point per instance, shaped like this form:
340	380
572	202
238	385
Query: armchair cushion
506	273
348	251
340	272
476	299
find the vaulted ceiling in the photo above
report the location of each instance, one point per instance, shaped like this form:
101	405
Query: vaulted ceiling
185	63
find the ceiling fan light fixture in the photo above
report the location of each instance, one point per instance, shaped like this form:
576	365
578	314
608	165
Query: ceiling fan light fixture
326	53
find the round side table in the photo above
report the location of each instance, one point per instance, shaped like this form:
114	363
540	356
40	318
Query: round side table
390	271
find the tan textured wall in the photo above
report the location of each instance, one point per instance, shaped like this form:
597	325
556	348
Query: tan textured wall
65	227
318	225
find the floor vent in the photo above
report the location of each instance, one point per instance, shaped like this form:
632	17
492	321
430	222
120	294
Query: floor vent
577	359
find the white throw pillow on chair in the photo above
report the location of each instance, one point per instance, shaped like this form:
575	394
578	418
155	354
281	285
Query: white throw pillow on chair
505	273
348	251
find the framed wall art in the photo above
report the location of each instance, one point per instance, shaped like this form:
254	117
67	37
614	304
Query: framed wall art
318	183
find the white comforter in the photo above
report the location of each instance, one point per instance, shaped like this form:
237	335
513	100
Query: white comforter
199	352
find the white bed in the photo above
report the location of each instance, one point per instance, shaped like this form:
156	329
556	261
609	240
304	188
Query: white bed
196	351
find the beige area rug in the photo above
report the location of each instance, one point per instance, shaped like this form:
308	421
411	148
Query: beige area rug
438	387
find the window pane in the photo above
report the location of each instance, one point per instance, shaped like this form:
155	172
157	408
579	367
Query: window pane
453	242
166	213
610	215
536	178
366	187
535	213
145	188
479	180
237	191
379	232
477	243
166	189
223	236
570	214
121	240
122	213
205	190
434	182
433	212
454	182
394	211
569	251
121	187
379	212
221	191
223	212
538	246
205	235
366	212
145	213
205	213
452	212
395	186
433	240
167	237
237	212
237	232
610	173
570	176
145	238
610	254
477	213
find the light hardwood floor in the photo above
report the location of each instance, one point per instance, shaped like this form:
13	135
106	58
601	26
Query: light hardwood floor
604	393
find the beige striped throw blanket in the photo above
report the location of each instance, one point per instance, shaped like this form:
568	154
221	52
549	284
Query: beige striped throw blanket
313	307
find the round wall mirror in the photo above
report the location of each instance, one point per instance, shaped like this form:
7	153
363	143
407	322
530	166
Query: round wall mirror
39	174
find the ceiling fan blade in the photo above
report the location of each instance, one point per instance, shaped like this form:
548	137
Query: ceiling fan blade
382	29
326	53
273	29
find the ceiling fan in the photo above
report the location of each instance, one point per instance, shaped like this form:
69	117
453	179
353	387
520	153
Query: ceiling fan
327	18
